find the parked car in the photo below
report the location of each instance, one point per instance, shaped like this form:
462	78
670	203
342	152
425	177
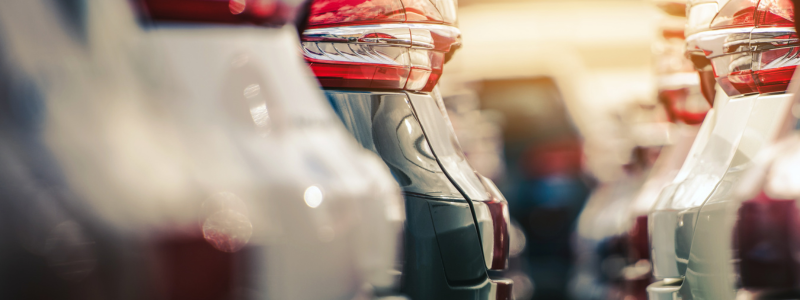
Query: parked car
379	63
761	223
749	45
178	149
686	100
609	263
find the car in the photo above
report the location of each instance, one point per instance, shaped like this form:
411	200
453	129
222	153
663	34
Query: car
179	149
379	63
761	218
610	264
686	99
749	47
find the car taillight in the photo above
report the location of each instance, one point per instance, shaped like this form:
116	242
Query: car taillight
765	240
187	267
500	244
736	13
762	60
680	105
496	242
775	13
763	13
669	33
638	274
257	12
379	44
638	239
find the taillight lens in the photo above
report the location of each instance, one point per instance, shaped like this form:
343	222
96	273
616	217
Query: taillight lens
353	12
764	13
379	44
219	11
738	83
736	13
765	240
681	106
497	240
773	80
638	239
775	13
500	244
672	34
762	60
189	268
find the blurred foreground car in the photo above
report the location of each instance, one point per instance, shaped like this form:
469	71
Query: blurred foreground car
179	150
379	62
751	48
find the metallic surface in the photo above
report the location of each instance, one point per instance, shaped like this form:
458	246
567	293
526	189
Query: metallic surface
423	36
673	216
444	258
385	124
711	270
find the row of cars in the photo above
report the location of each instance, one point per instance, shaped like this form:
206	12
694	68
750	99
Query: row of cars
717	215
182	149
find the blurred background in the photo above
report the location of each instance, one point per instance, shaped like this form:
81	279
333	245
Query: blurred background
552	100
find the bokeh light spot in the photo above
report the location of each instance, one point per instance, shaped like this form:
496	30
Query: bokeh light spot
313	196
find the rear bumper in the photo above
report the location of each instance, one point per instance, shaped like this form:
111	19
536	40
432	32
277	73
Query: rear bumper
502	289
663	290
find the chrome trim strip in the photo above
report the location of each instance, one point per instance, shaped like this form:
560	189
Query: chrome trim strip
410	35
713	42
721	42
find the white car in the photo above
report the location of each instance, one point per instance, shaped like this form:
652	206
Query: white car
750	48
187	153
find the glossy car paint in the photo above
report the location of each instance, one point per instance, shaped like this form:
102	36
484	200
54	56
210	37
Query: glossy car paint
711	273
702	224
662	221
444	258
149	124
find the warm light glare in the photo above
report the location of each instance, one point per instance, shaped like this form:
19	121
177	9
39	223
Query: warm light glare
313	196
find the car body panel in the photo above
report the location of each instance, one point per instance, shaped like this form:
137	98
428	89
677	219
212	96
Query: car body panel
389	123
671	220
711	273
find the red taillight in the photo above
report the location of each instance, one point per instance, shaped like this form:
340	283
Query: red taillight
775	13
187	267
768	69
738	83
764	13
218	11
672	34
327	13
638	274
638	240
774	80
678	106
736	13
353	12
422	11
378	44
497	240
501	222
765	238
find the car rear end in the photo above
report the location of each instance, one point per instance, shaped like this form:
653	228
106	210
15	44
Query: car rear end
379	63
750	47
